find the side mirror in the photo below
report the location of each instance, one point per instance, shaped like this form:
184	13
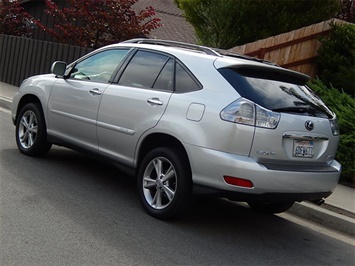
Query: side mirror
58	68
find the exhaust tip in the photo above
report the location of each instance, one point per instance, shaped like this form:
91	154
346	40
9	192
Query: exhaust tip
318	201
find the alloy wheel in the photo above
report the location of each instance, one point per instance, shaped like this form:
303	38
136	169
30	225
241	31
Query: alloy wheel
159	183
27	132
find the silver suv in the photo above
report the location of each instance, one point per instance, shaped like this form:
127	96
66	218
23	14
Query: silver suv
186	119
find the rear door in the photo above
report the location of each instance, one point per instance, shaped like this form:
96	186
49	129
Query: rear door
135	104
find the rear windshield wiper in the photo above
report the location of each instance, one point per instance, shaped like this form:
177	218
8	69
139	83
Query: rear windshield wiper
304	110
297	109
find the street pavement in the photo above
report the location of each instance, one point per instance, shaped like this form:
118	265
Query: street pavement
337	213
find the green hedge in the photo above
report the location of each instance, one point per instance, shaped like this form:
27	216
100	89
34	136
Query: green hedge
344	106
336	58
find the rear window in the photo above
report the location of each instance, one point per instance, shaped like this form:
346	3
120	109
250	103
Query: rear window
276	95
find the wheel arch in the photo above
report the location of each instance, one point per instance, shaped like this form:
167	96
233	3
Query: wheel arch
28	98
156	140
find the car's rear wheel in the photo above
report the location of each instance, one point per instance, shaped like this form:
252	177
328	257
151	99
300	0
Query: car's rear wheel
31	135
164	183
271	207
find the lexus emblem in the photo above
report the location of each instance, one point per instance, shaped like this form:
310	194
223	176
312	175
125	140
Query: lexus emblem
309	125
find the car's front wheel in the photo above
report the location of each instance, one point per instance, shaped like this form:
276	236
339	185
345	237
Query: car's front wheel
31	135
271	207
164	183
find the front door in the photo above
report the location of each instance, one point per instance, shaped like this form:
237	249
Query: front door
74	102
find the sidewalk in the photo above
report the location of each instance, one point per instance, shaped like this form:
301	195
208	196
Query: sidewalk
338	211
7	92
343	198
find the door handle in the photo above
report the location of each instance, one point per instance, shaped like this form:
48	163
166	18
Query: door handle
155	101
95	92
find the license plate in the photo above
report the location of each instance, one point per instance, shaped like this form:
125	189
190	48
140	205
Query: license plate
303	148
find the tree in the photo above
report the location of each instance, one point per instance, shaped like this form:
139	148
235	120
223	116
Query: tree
344	106
228	23
347	10
13	20
336	58
97	23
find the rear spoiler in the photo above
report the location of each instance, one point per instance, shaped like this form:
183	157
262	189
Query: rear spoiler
270	72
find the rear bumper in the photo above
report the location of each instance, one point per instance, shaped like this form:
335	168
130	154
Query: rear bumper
209	167
264	197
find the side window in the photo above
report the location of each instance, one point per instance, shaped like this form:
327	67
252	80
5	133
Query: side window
165	79
99	67
184	82
143	70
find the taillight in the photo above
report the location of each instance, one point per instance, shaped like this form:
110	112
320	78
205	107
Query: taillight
334	126
243	111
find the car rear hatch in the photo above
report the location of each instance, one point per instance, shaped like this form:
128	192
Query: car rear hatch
294	129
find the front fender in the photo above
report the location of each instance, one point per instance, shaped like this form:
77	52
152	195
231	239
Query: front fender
33	89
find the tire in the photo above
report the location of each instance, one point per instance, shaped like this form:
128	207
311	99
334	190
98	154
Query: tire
31	131
271	207
164	183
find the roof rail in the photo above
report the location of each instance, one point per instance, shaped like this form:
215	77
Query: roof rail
204	49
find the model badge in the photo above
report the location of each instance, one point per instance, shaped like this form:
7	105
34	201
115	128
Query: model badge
309	125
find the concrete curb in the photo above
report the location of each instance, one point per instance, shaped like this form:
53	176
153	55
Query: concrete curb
329	219
5	103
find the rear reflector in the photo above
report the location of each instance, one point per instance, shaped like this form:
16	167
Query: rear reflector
236	181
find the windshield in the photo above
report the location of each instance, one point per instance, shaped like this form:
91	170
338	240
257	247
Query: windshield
278	96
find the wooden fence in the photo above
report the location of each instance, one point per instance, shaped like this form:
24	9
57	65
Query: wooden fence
22	57
296	50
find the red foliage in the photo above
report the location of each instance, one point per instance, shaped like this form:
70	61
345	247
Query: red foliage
13	20
97	23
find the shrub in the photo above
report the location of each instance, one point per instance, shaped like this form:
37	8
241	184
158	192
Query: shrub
344	107
98	23
336	60
13	20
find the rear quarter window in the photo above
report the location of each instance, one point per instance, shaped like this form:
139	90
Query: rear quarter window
185	81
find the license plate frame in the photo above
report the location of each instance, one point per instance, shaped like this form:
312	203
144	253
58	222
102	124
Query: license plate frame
303	148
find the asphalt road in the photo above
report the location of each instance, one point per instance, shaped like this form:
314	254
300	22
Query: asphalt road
67	209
